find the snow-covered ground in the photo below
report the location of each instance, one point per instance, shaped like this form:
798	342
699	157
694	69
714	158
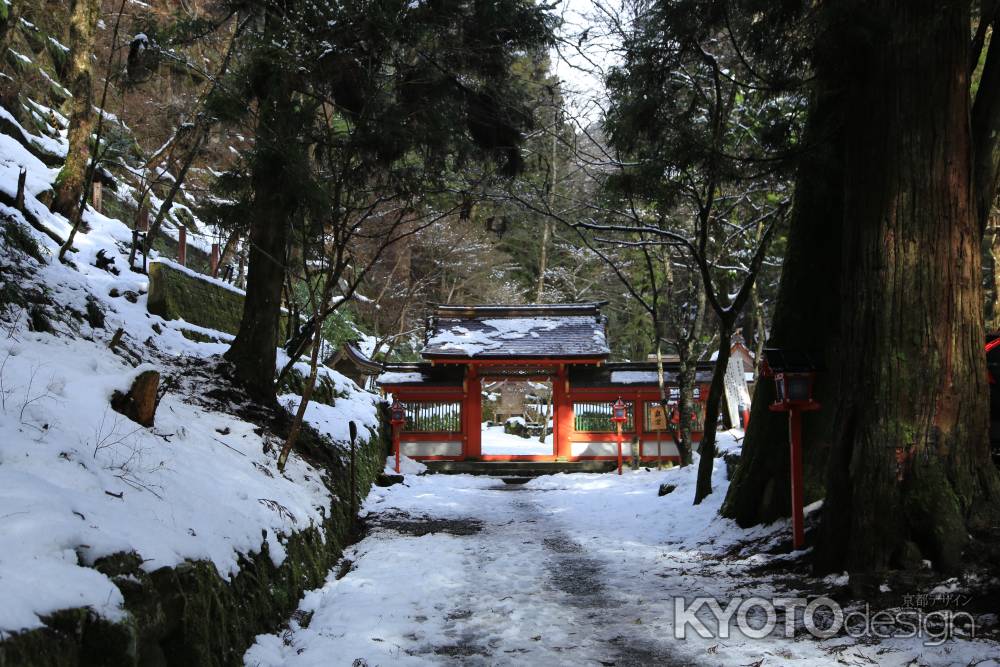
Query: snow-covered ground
79	481
495	441
570	569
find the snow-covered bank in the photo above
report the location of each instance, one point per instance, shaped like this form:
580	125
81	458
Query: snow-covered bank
80	482
569	569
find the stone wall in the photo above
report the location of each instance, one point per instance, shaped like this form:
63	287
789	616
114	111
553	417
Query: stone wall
179	293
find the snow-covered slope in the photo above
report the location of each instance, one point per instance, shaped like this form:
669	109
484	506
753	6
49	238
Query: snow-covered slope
78	481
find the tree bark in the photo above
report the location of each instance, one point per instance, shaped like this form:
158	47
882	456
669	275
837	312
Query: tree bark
254	350
9	16
706	449
806	317
72	177
543	260
986	133
910	463
993	237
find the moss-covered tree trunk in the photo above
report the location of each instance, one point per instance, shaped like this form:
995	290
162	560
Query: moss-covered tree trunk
910	467
73	176
8	21
806	317
993	248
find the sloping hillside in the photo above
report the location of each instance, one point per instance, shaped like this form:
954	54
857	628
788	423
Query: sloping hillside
108	524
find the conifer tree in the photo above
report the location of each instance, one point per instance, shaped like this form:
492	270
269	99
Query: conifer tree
415	91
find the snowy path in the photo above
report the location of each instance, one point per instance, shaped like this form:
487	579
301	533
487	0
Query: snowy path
567	570
500	581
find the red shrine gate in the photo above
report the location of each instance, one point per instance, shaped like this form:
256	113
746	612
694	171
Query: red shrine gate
562	344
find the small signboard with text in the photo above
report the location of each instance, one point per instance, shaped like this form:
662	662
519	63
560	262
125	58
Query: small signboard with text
657	418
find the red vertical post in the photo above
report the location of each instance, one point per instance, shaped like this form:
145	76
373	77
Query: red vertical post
795	433
215	260
396	428
563	420
473	409
619	425
182	246
639	417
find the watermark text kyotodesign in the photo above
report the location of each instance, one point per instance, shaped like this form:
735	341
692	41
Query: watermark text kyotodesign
820	617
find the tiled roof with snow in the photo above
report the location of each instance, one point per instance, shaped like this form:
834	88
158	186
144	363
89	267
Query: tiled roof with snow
633	374
533	331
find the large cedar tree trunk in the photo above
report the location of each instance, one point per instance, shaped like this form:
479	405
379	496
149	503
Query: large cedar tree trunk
910	468
806	317
72	177
254	350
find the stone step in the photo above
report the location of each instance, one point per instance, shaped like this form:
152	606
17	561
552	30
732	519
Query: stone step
517	469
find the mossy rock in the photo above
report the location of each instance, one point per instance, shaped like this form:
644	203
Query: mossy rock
323	392
516	427
198	336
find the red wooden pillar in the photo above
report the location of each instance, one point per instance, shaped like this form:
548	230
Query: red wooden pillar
639	418
182	246
472	409
562	422
396	428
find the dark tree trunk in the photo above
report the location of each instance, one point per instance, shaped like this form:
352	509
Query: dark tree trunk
993	251
806	317
253	351
986	133
910	466
706	449
71	180
686	380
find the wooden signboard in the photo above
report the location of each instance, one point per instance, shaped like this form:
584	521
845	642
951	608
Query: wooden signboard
657	418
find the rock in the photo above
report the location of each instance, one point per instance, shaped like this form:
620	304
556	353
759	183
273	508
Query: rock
39	321
105	262
516	426
385	479
139	404
665	489
95	314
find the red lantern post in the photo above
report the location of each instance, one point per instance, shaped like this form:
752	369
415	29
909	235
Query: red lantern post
397	418
619	417
794	376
